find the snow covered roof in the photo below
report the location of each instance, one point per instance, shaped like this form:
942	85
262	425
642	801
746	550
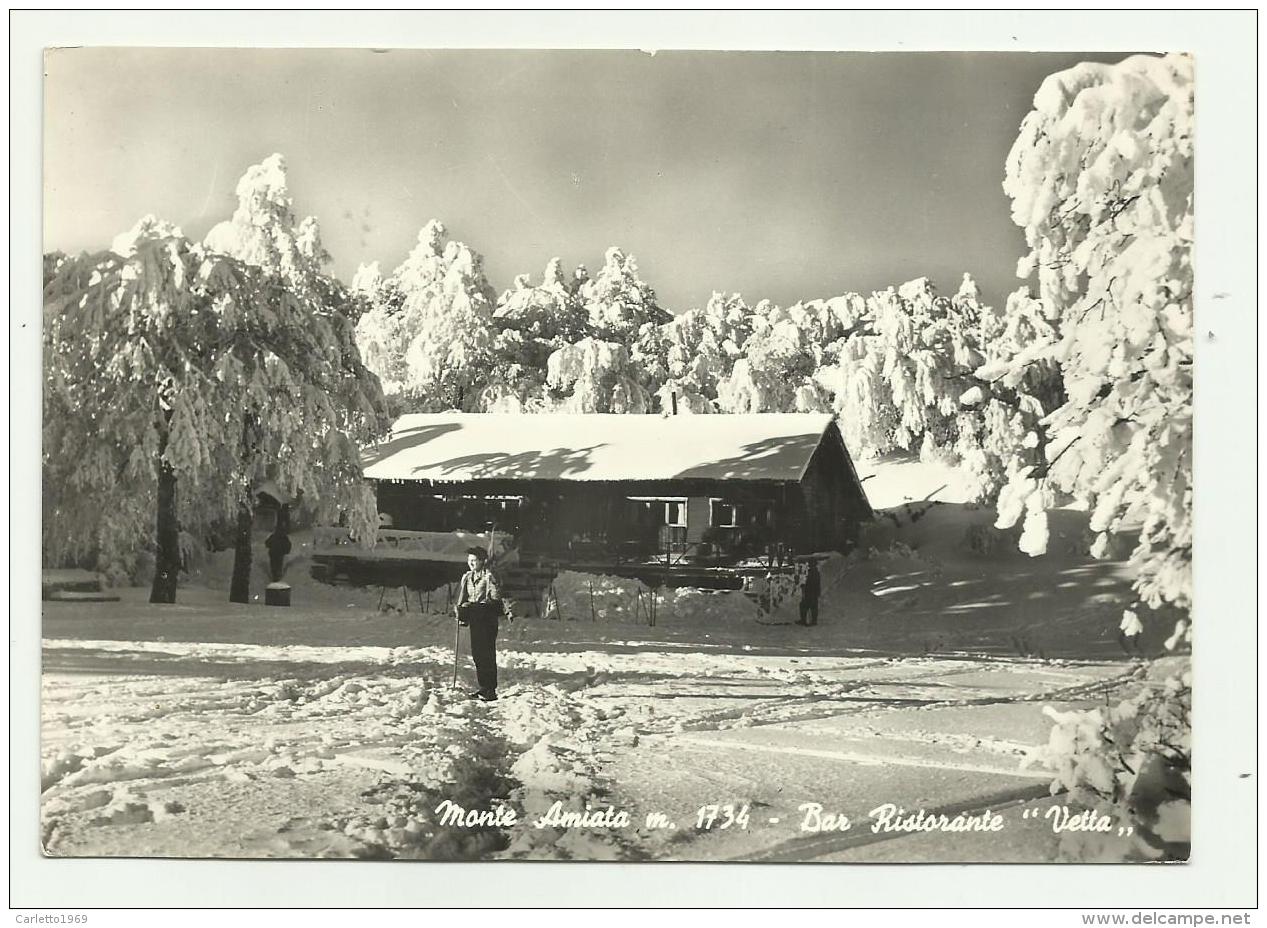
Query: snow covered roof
483	446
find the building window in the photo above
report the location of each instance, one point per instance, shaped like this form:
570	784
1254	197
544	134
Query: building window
723	514
664	510
675	513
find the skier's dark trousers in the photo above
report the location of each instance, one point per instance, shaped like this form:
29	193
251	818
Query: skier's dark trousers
809	595
479	607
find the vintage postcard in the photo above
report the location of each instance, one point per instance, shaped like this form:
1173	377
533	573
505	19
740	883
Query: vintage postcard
607	455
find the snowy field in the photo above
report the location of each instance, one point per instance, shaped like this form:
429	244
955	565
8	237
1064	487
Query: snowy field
330	729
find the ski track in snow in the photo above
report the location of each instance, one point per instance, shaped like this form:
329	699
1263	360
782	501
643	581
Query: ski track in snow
161	747
331	729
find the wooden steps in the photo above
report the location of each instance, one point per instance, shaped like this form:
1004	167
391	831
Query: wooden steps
526	586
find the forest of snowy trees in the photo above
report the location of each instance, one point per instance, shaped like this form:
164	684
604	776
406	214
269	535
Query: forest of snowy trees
1076	390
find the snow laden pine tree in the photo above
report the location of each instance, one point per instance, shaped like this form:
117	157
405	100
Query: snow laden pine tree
595	376
122	399
692	353
429	332
598	373
899	363
1101	182
618	302
532	323
551	311
999	423
311	373
775	371
380	334
996	427
174	376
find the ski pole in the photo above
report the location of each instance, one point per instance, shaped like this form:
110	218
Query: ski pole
457	646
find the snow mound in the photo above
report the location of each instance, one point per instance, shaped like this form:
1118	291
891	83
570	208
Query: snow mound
582	597
688	605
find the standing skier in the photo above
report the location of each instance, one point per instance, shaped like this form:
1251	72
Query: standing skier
479	607
809	595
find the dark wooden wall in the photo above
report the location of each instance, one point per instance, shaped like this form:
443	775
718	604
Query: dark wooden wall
832	504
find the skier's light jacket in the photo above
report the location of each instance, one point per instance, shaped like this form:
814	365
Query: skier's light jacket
479	586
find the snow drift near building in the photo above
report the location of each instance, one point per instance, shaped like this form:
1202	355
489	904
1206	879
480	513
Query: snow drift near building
581	597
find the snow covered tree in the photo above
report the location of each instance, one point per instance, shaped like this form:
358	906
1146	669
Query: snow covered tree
430	334
899	374
551	311
618	302
999	423
780	356
1101	181
534	322
174	376
263	231
1134	758
595	376
380	333
264	234
689	355
517	374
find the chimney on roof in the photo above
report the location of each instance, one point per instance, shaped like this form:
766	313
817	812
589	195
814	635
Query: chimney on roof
673	401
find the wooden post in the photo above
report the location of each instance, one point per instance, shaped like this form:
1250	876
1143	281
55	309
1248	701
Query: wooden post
668	563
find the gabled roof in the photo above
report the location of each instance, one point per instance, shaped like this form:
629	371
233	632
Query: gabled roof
445	447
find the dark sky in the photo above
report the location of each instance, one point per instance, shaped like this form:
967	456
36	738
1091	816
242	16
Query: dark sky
780	175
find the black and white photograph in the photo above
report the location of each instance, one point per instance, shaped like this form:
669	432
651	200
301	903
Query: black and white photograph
618	455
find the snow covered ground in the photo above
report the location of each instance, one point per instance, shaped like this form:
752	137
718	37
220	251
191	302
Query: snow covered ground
331	728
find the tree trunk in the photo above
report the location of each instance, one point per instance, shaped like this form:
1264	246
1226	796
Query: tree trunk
240	585
167	557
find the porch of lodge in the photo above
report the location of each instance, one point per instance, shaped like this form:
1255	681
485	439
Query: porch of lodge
742	496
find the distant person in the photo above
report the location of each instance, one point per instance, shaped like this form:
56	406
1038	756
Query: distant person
479	607
278	545
810	591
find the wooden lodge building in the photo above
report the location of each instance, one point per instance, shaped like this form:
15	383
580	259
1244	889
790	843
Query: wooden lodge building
636	495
